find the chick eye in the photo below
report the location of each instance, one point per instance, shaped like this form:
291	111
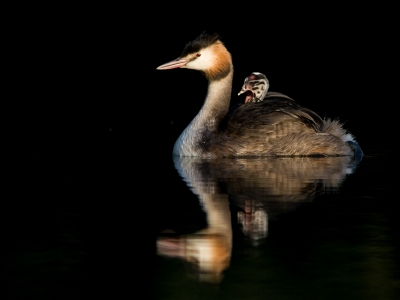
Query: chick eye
198	55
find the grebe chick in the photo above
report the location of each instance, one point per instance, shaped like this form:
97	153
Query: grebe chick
277	127
255	86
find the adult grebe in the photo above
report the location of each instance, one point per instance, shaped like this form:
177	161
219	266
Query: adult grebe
277	127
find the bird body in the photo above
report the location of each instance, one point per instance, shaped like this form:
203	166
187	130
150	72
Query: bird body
276	127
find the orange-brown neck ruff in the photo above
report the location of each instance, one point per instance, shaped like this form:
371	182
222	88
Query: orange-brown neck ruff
222	64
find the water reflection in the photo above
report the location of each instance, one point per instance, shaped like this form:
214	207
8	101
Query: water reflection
259	189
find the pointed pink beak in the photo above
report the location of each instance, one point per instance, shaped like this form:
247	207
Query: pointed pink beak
177	63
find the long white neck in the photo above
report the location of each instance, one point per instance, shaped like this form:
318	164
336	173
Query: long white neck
206	122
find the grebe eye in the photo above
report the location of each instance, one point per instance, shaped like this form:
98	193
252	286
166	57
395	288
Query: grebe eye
198	55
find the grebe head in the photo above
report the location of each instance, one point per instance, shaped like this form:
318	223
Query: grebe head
255	86
207	54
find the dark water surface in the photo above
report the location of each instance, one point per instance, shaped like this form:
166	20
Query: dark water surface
286	228
297	228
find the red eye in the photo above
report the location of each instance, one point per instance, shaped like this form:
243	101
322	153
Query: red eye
198	54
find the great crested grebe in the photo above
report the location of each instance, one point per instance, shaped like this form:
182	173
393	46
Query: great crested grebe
277	127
